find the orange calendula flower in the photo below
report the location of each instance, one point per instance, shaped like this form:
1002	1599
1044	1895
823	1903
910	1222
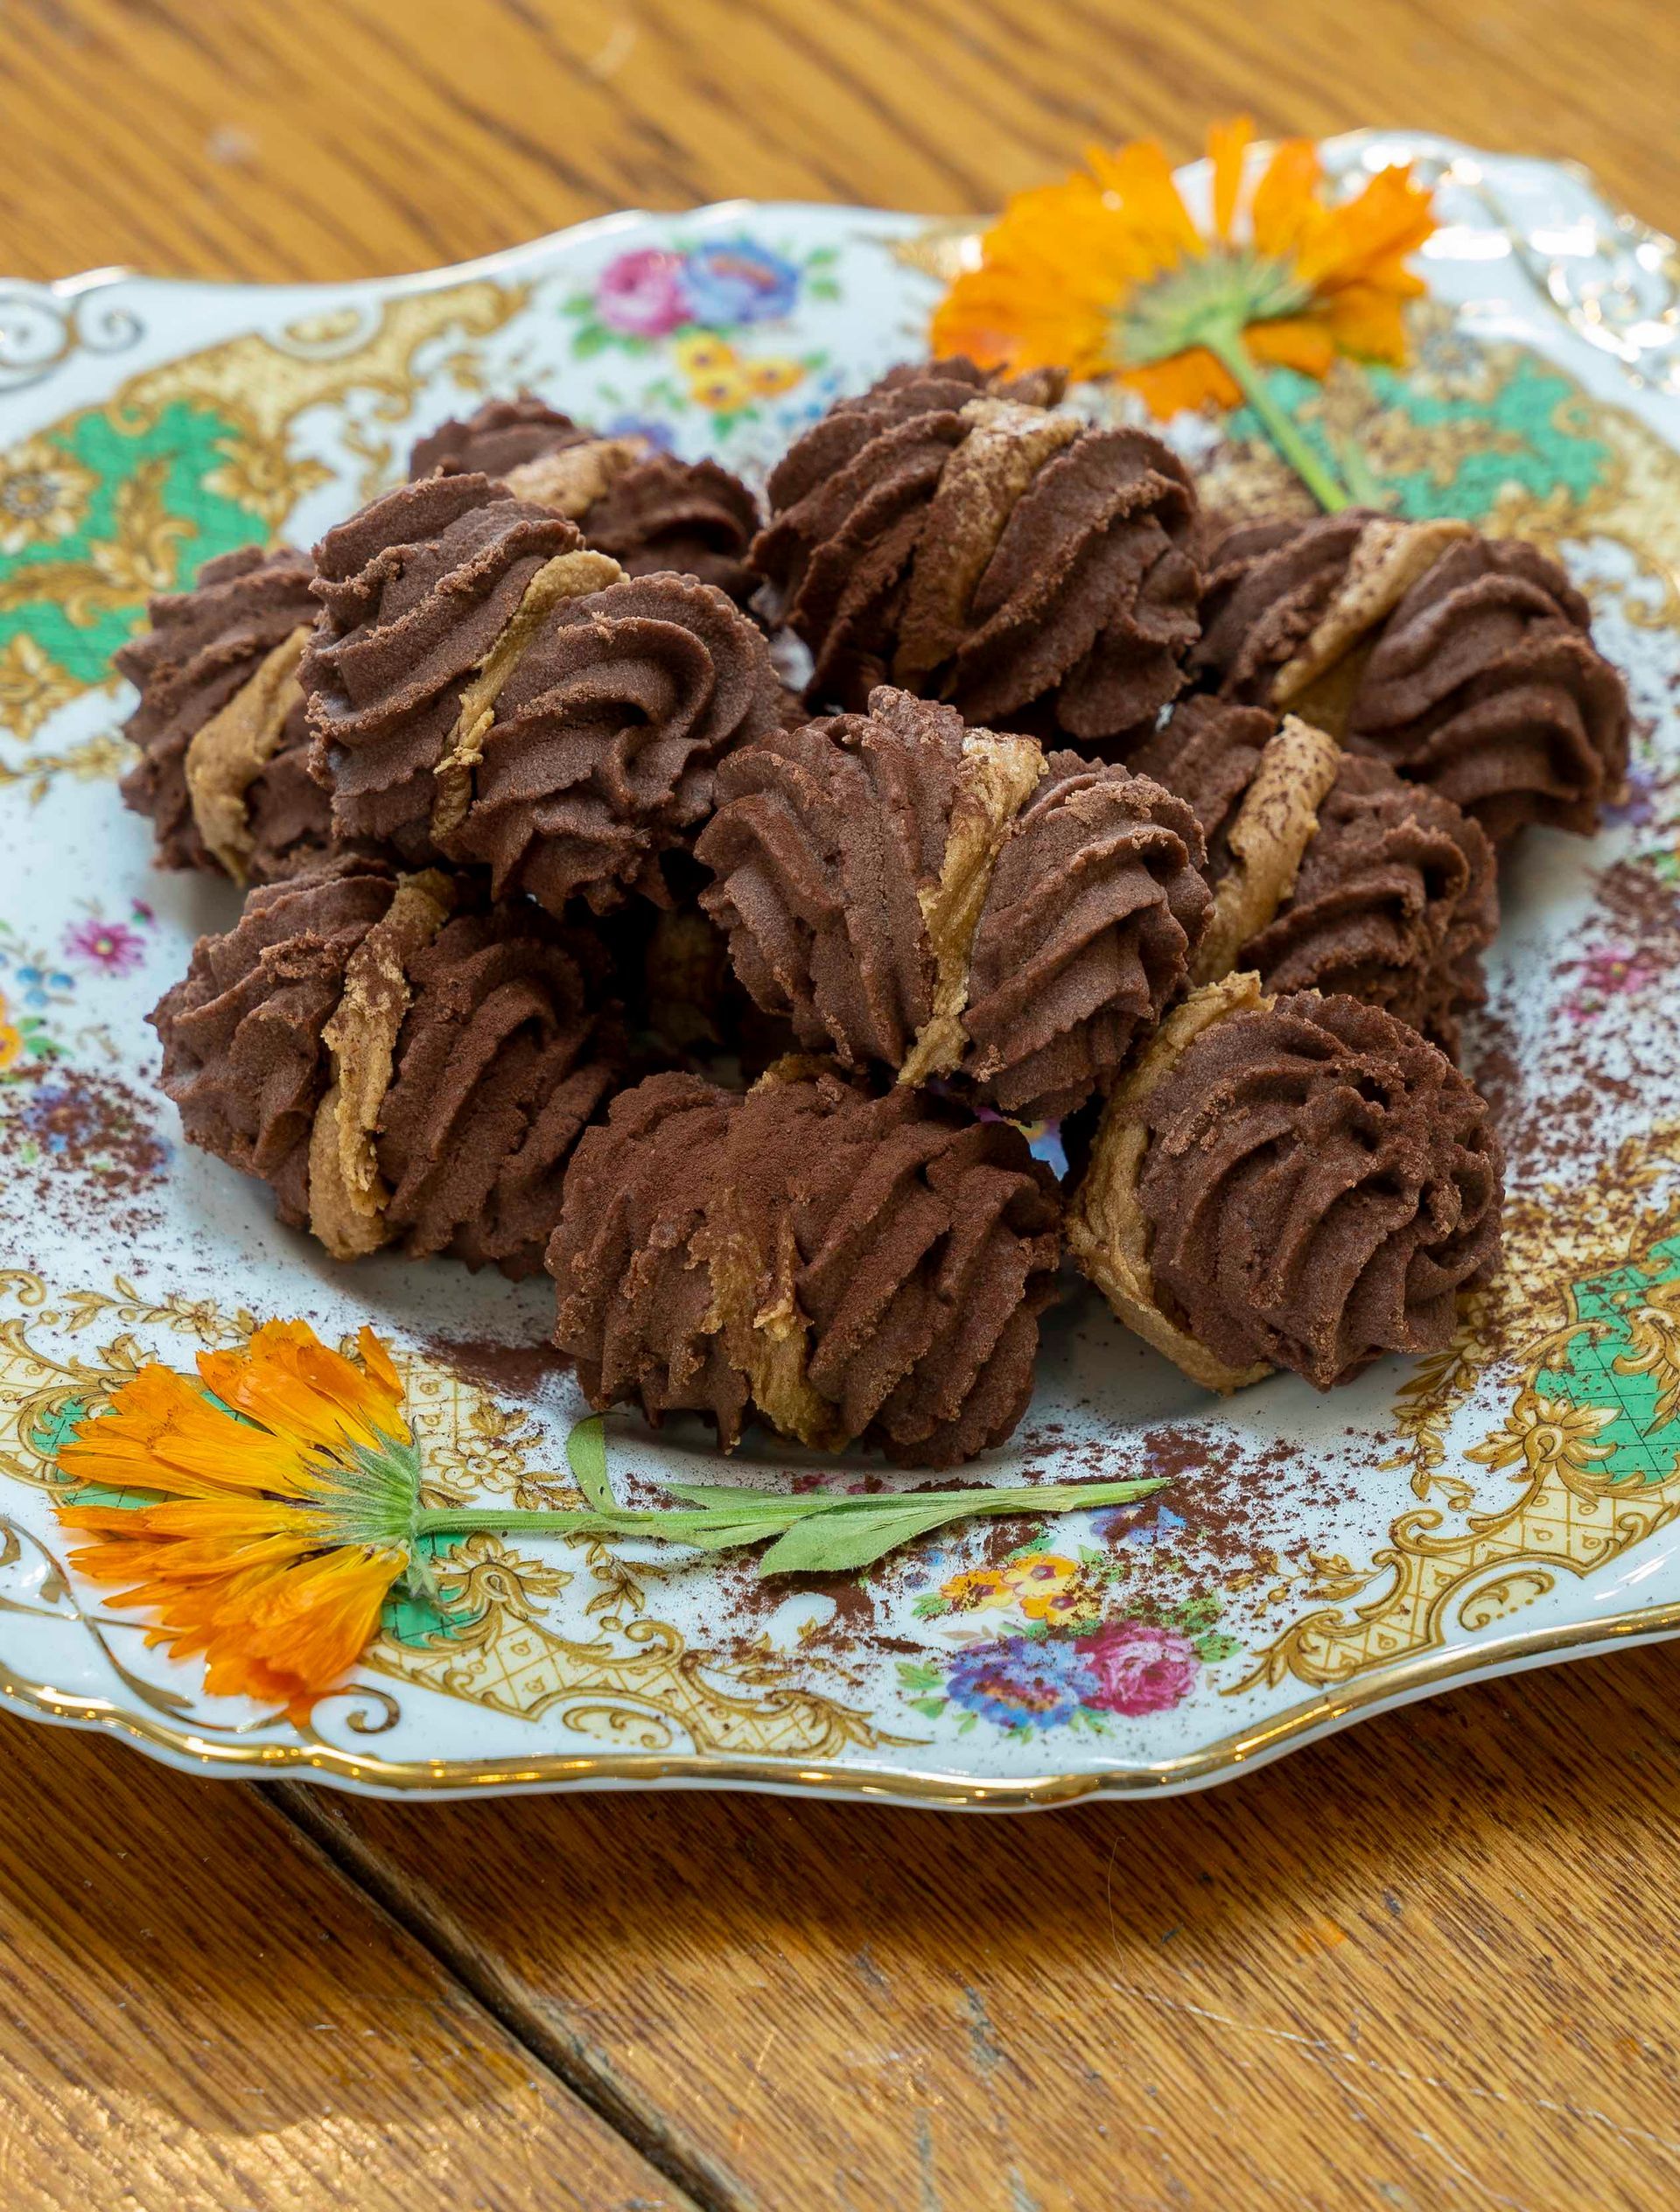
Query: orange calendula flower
264	1513
263	1517
1108	275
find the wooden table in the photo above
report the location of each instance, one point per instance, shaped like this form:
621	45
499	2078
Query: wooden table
1430	1964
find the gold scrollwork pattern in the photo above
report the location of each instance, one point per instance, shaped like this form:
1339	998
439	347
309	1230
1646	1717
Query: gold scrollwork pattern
1592	1290
629	1678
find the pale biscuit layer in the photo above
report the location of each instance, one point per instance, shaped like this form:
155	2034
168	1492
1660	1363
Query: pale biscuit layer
347	1199
1108	1231
230	752
1276	822
1388	559
979	489
571	480
997	776
567	575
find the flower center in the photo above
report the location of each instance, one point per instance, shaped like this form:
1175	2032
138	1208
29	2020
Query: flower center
1207	300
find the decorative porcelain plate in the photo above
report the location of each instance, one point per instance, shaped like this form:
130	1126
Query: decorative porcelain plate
1312	1558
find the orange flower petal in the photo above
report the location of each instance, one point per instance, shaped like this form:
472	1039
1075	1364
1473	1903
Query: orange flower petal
227	1546
1284	199
1371	232
1293	341
1140	179
1187	380
1227	144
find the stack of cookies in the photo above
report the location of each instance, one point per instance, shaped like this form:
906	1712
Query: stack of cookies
574	939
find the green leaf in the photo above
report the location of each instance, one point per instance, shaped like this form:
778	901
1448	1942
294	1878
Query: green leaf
1216	1645
1194	1613
828	1543
915	1675
739	1499
932	1706
822	288
586	1457
589	339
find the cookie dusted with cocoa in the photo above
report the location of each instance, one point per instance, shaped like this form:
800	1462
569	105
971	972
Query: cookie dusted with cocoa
484	687
649	510
1329	871
1465	662
404	1063
946	901
220	725
847	1269
954	537
1301	1182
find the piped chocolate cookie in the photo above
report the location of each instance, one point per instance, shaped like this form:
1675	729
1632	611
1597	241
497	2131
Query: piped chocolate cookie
847	1269
954	537
649	510
1465	662
220	724
939	900
1299	1182
1329	871
484	687
405	1063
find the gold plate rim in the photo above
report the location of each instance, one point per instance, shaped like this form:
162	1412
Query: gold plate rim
370	1774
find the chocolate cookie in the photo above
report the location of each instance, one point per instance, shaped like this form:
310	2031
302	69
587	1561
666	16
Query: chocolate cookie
849	1269
649	510
404	1063
220	725
1299	1182
940	900
972	547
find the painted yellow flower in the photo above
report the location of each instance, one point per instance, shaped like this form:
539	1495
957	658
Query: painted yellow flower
1039	1570
11	1042
1078	1602
977	1590
1043	1583
277	1507
44	494
1106	275
772	374
721	380
703	355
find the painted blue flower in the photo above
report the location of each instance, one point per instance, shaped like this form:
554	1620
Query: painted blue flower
43	1117
735	281
660	436
1020	1682
39	984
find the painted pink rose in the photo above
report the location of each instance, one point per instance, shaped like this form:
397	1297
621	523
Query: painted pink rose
1139	1667
642	294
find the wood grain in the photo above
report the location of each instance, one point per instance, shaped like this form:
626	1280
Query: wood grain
1429	1964
1426	1966
338	137
197	2012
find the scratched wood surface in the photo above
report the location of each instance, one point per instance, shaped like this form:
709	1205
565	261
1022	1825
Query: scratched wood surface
1426	1966
197	2009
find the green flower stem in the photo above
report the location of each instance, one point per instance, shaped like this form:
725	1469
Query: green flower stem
1225	344
814	1530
